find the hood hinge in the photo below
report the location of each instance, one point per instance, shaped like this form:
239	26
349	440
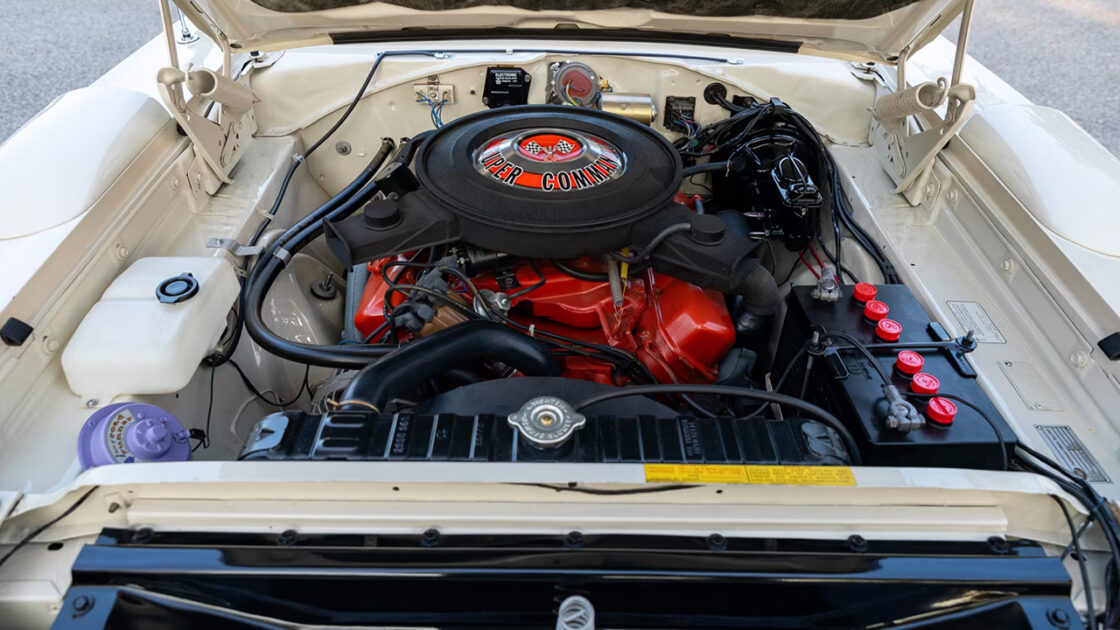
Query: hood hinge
909	158
219	143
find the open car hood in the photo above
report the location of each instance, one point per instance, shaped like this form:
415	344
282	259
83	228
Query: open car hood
861	30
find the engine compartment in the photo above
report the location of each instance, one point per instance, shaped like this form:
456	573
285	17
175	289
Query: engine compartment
579	237
556	243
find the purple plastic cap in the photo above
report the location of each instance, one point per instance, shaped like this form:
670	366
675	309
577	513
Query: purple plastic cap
125	433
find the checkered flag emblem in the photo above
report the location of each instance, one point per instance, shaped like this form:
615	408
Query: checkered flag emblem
564	147
533	147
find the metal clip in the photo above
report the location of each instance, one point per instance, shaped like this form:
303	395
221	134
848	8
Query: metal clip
233	247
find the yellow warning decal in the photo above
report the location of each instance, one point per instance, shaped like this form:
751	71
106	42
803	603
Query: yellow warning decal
756	475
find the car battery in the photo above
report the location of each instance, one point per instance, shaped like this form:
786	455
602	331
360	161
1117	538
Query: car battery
892	324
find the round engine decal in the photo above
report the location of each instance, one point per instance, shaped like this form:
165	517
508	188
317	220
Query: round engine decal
550	147
550	160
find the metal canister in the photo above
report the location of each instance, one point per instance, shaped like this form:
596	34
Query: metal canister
637	107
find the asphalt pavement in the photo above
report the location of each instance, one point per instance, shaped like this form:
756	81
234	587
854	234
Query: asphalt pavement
1061	53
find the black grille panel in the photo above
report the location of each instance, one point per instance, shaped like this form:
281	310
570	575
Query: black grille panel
489	438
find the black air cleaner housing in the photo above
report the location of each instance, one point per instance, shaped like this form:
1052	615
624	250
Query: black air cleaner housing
544	181
534	177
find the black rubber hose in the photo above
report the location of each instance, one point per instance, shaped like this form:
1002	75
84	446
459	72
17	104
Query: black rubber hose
268	268
256	290
239	324
404	156
759	292
706	167
454	347
652	245
344	195
363	177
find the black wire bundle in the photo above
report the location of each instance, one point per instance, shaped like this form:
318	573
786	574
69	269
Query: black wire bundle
1030	460
733	136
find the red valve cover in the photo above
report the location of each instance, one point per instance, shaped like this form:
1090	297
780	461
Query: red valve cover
677	330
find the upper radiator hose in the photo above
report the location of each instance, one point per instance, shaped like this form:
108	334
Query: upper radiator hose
460	345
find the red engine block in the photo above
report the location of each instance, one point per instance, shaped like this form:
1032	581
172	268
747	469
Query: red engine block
678	330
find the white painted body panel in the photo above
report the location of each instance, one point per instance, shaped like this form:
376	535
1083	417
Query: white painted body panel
91	158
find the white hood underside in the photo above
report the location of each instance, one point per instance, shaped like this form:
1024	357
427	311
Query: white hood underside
880	38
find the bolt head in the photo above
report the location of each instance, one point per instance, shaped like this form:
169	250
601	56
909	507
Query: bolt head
1080	359
430	537
999	545
1058	617
83	603
142	535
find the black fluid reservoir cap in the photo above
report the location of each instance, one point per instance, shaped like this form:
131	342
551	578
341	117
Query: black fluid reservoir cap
381	214
177	289
706	229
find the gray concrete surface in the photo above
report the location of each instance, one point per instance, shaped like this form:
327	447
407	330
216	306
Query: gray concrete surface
49	47
1062	53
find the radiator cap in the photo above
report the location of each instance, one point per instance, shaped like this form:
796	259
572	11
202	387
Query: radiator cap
547	421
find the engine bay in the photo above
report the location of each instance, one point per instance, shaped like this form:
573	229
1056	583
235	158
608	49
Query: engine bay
566	274
530	270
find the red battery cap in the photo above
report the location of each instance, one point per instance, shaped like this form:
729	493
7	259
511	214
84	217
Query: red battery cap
863	292
888	330
909	362
925	383
941	411
876	310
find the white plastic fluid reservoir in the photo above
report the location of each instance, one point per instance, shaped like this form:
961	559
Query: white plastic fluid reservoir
151	328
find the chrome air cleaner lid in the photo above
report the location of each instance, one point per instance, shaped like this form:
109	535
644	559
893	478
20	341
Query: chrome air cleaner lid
552	160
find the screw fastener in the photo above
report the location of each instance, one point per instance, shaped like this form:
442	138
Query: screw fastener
1058	617
287	538
430	537
574	540
82	604
999	545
